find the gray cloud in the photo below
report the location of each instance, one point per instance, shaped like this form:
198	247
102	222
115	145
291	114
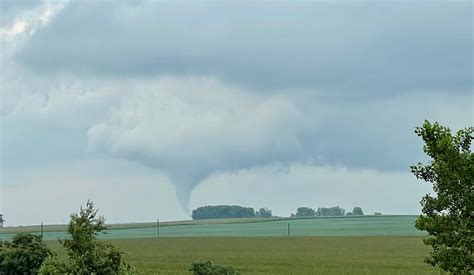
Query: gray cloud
348	48
179	87
10	9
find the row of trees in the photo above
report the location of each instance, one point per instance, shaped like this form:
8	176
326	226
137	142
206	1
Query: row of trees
229	211
326	211
236	211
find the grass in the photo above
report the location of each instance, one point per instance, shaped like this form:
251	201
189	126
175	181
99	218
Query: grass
279	255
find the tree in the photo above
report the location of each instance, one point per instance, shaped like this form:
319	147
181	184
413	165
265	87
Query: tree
23	255
357	211
330	211
305	212
448	217
222	211
87	254
264	213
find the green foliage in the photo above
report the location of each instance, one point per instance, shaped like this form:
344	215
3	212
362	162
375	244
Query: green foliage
305	212
222	211
264	213
23	255
448	217
378	214
208	268
87	254
357	211
330	211
53	265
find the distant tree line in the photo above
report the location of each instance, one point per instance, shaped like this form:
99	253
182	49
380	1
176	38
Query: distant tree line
236	211
229	211
326	211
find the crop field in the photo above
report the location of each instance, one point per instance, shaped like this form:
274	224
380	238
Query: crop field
328	245
279	255
325	226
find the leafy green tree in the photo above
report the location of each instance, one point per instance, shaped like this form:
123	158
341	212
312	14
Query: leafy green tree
264	213
208	268
305	212
357	211
448	217
23	255
87	254
330	211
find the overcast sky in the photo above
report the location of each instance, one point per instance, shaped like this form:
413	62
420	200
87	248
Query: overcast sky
153	108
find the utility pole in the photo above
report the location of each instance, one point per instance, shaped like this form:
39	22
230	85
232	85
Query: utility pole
42	230
288	229
158	227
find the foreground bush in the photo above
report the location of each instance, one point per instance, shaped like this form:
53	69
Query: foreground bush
87	254
208	268
23	255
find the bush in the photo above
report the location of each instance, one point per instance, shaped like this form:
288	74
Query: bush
52	266
208	268
23	255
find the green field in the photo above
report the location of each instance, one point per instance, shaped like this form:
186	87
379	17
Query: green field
279	255
325	245
325	226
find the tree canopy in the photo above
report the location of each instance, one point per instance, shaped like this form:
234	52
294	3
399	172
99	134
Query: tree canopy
305	212
448	216
264	213
222	211
357	211
330	211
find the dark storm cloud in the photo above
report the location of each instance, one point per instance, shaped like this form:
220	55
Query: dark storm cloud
353	49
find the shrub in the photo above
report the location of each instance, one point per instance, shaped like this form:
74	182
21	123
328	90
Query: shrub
23	255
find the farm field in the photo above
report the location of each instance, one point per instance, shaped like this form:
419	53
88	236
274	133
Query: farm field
322	226
278	255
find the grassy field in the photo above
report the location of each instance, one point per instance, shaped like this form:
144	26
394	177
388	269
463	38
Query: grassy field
279	255
326	226
328	245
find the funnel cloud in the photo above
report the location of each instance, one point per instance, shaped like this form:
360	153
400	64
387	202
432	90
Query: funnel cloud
192	127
